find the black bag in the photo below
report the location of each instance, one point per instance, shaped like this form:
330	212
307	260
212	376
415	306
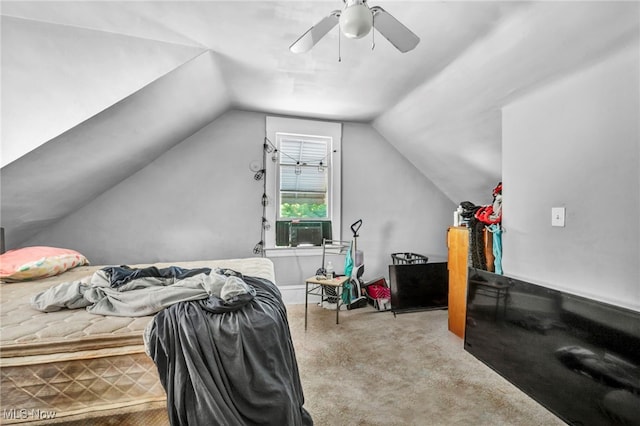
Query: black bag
468	209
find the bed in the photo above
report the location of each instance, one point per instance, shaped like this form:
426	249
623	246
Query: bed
71	365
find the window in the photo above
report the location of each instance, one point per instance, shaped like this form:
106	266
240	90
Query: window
303	183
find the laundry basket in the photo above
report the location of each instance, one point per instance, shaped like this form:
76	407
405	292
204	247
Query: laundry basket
408	258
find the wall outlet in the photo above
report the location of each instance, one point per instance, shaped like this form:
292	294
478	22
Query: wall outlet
557	216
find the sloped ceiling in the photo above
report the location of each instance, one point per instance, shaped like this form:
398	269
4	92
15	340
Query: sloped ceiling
62	175
439	104
450	125
55	77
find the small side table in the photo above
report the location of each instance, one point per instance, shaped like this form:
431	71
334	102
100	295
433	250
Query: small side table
318	284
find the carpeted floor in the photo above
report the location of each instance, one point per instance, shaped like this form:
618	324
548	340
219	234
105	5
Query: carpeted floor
375	368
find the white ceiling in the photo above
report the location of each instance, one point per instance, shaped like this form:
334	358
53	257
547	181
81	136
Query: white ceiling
252	38
439	104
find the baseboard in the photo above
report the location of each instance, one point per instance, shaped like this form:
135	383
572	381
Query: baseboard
292	294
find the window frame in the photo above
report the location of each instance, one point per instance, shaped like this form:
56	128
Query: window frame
302	127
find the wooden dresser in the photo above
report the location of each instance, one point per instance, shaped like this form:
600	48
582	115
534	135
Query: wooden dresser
458	262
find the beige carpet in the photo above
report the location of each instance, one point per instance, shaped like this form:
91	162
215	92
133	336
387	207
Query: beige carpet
377	369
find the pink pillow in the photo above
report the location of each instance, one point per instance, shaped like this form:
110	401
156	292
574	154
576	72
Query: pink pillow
31	263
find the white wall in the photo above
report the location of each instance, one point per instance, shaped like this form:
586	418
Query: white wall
193	202
575	144
200	201
402	210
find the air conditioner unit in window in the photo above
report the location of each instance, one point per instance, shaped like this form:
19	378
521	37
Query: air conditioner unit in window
305	233
283	231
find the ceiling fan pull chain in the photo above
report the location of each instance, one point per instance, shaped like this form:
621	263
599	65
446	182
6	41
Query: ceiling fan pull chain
339	37
373	34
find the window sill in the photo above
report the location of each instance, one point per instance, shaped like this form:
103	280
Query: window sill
293	252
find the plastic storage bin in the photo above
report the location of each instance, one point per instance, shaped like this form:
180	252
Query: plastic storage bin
408	258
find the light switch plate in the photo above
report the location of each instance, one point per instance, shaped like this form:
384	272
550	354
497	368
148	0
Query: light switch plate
557	216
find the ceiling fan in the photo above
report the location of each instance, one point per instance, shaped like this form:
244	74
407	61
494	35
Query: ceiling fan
356	21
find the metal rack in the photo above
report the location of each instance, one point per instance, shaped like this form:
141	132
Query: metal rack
336	247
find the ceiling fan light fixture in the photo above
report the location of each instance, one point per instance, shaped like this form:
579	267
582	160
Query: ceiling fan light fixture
356	19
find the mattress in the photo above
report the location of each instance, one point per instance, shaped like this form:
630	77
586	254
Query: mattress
72	365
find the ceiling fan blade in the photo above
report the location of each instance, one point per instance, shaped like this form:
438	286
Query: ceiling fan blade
315	33
400	36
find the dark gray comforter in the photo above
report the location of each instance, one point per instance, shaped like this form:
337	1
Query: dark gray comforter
229	365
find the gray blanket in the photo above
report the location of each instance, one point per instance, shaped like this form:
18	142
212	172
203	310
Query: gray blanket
141	296
228	367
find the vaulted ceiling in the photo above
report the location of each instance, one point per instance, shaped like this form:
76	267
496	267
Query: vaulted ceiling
66	63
